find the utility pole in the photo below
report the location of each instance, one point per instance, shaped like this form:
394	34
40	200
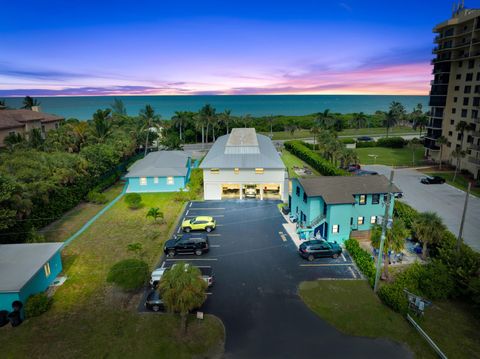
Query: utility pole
384	231
460	232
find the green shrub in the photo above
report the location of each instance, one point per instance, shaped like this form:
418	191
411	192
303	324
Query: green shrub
365	144
37	304
96	197
302	151
128	274
406	213
436	281
362	258
133	200
474	291
391	142
347	140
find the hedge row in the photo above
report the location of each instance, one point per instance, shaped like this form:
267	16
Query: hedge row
362	258
405	212
299	149
391	142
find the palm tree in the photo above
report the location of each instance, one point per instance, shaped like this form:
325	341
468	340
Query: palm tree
315	130
155	213
209	116
359	120
179	120
102	124
394	241
246	119
118	108
182	289
324	119
428	228
270	120
458	154
29	102
200	122
226	117
3	105
441	141
148	118
35	138
396	113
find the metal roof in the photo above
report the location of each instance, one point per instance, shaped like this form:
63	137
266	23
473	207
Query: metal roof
341	189
20	262
222	156
160	164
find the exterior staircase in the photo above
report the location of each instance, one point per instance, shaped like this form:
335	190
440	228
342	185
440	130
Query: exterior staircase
317	220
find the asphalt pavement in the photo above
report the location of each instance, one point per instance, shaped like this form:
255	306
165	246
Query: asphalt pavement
444	199
257	273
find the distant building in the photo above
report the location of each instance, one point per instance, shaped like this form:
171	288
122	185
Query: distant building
161	171
244	165
23	121
27	269
334	206
455	90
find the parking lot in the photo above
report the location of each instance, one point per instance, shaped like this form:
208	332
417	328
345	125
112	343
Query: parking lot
257	272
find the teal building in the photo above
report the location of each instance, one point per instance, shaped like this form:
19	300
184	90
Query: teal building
27	269
334	206
161	171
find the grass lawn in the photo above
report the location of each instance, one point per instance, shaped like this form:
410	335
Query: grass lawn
390	156
353	308
461	181
375	131
291	160
92	319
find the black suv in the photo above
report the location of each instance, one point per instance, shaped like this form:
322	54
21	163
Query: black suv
154	301
318	248
433	180
187	243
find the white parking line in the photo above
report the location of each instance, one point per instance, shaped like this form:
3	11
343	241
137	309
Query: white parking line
206	208
187	212
326	265
193	259
344	259
214	216
208	293
353	273
219	225
178	231
214	235
190	205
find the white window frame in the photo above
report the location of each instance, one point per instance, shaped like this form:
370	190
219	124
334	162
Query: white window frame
373	219
364	202
170	180
46	269
360	220
155	180
335	228
214	171
143	181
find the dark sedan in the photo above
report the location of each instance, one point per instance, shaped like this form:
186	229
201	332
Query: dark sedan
364	138
318	249
154	301
433	180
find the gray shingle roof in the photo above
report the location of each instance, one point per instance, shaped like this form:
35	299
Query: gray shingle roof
222	155
341	189
17	118
160	164
19	262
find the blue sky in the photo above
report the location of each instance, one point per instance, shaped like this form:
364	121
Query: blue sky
248	47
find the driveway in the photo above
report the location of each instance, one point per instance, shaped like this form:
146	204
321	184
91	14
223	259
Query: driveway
257	273
444	199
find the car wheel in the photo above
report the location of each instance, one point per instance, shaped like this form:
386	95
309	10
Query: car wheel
198	252
156	308
208	229
171	253
187	229
335	256
311	257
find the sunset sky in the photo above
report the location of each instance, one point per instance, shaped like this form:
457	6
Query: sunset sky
226	47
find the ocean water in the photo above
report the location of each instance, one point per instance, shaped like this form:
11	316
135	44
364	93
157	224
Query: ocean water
82	108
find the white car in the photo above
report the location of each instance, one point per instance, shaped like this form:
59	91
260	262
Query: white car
250	192
156	276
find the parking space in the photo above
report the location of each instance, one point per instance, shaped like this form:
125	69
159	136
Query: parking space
257	272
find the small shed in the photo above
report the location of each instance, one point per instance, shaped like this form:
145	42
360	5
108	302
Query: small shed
27	269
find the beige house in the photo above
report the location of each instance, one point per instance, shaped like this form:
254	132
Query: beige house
23	121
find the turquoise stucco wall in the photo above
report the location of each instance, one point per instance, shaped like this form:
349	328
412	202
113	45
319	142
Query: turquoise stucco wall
338	214
161	186
38	283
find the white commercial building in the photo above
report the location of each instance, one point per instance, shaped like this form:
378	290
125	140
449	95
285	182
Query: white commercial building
244	165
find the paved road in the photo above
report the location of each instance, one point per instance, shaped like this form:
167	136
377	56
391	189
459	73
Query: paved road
444	199
257	273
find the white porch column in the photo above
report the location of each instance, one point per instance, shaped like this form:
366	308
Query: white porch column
241	191
261	193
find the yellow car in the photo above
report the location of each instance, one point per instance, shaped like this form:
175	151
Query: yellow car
201	223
